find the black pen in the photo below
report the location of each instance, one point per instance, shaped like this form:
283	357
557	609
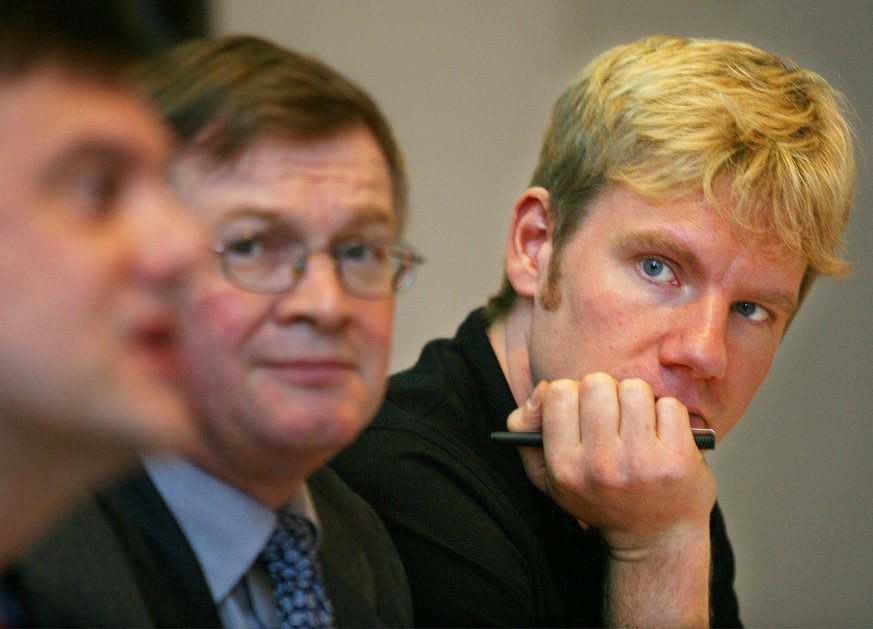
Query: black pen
703	437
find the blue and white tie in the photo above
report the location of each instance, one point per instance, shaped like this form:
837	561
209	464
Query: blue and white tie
298	589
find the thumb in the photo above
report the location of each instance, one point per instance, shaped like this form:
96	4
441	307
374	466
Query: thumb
529	416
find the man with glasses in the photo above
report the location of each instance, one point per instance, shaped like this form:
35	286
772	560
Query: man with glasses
286	334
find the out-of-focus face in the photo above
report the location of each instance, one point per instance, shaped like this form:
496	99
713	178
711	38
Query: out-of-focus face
93	249
288	379
669	293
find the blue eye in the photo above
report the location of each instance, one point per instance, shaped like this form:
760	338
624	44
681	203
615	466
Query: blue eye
751	310
656	269
652	267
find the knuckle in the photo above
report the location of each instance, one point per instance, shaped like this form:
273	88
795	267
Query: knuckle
605	474
669	405
597	380
561	394
566	472
561	387
636	386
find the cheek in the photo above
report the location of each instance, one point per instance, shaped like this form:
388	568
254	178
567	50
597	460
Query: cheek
602	318
375	322
221	317
749	366
215	326
597	327
71	293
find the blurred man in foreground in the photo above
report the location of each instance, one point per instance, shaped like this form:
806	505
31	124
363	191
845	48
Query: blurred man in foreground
93	248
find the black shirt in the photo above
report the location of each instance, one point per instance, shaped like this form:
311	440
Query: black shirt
482	546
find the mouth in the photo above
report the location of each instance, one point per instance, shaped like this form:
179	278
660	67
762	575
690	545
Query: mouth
697	421
695	415
156	342
309	372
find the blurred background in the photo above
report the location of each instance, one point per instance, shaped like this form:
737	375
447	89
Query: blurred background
468	87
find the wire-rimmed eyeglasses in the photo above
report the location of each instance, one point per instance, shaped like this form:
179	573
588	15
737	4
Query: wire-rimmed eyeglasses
273	260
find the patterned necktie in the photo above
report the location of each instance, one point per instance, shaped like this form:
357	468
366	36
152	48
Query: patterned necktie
298	589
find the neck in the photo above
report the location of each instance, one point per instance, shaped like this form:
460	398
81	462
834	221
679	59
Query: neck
271	478
509	336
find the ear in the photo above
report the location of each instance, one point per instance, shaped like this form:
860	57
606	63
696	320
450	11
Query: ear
530	242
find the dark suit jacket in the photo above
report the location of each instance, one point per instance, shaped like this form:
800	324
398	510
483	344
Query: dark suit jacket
121	560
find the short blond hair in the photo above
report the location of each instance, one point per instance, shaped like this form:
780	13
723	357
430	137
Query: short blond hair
766	142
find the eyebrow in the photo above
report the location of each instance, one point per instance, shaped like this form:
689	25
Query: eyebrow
369	216
88	151
655	241
658	242
783	301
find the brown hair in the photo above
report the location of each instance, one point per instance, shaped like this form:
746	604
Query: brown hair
96	40
221	95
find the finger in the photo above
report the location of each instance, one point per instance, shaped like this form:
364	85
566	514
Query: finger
599	410
529	416
637	420
560	418
673	423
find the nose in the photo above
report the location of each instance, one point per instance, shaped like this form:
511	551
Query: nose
318	295
696	338
169	242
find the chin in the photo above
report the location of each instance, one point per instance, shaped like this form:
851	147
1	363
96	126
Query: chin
153	414
327	427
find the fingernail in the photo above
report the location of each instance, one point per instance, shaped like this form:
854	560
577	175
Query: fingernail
536	397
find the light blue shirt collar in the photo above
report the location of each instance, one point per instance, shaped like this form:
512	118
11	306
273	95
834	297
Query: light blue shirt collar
227	529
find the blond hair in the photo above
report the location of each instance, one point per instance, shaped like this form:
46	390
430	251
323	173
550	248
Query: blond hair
766	142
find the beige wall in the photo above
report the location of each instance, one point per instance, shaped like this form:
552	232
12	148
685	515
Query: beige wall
468	87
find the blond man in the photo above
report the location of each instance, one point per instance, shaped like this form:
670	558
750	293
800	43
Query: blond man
688	193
